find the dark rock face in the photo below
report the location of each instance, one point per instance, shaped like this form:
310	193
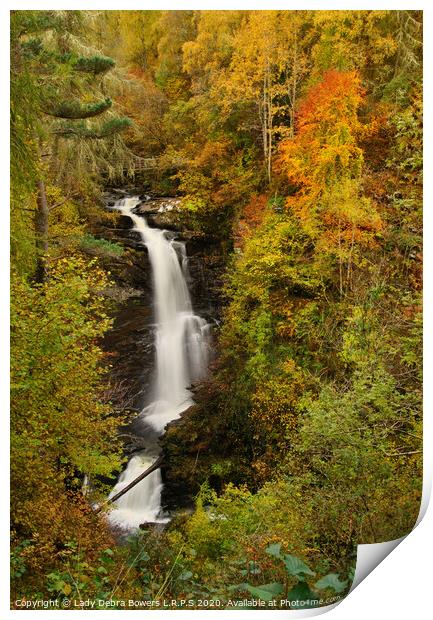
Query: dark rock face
180	472
201	447
130	343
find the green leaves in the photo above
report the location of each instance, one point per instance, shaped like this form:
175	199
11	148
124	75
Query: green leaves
294	566
274	550
100	246
332	581
17	561
57	583
94	132
266	592
302	592
56	374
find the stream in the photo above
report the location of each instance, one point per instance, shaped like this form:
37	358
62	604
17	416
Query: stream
182	346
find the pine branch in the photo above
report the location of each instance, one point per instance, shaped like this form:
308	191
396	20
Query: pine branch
108	129
76	110
94	64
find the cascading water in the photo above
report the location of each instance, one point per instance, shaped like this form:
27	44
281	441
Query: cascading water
182	346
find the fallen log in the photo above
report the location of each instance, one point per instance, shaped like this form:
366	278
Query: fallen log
156	465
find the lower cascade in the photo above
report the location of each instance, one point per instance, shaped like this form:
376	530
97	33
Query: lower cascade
182	349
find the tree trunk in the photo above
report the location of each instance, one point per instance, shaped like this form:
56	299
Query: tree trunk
292	85
270	128
293	105
132	484
41	231
340	258
265	122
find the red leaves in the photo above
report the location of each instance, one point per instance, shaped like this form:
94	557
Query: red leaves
337	97
324	148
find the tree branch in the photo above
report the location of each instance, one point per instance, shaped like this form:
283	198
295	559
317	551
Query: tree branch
149	470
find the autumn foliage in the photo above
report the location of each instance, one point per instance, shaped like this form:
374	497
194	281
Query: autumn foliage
323	164
325	147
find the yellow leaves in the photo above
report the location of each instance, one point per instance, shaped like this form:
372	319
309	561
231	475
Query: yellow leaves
215	150
283	310
383	45
212	45
347	39
58	423
288	366
67	589
262	470
275	404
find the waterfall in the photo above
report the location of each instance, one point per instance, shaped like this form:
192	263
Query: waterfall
182	346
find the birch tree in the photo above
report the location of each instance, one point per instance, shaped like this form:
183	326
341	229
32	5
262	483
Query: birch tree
267	68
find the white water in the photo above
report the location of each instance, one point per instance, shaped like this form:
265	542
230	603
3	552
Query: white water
182	345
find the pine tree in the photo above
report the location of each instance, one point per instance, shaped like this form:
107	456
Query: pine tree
70	91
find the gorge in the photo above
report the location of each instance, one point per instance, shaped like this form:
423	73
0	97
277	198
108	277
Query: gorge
182	341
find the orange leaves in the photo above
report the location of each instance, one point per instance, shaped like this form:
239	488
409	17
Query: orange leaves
212	153
252	216
335	99
324	147
324	163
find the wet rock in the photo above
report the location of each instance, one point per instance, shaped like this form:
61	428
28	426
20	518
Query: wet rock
179	471
169	220
146	208
123	222
133	443
161	204
130	346
121	293
154	526
161	212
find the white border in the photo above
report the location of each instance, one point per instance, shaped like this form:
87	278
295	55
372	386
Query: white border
401	585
